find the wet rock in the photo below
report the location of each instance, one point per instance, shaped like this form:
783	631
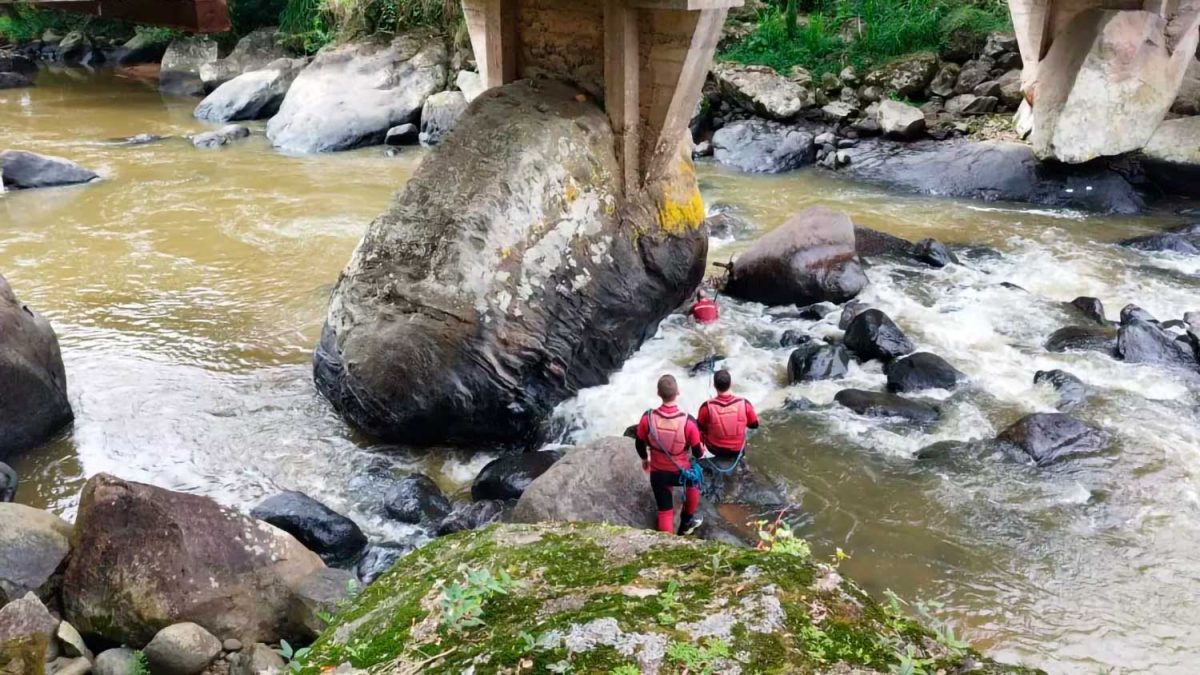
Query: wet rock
9	80
182	649
900	120
439	115
15	63
810	258
253	95
474	516
942	450
1131	313
226	135
816	361
33	546
792	338
907	76
76	49
329	534
180	71
21	170
416	500
873	335
508	476
1140	341
195	561
137	139
500	318
34	406
1072	392
1050	437
759	146
849	312
119	661
934	253
922	371
879	404
379	559
1083	339
706	365
873	243
728	226
8	485
254	51
991	171
760	90
319	594
337	102
799	404
1090	308
143	47
1184	240
403	134
256	660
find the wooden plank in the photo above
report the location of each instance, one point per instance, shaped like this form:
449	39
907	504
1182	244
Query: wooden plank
622	70
687	90
500	48
201	16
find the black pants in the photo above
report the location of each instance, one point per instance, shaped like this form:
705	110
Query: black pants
663	483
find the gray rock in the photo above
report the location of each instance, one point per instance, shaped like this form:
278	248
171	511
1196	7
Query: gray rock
143	47
182	649
907	76
1090	308
254	51
258	659
880	404
27	624
1072	392
760	90
991	88
921	371
849	76
69	666
970	104
231	645
320	593
402	134
474	516
1083	338
900	120
381	558
439	115
338	103
24	170
1010	89
76	49
253	95
14	80
758	146
509	475
226	135
8	489
33	545
118	661
972	74
817	361
470	84
1140	341
72	642
944	82
873	335
999	44
180	72
1049	437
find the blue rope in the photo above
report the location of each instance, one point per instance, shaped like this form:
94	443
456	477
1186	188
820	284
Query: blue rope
712	463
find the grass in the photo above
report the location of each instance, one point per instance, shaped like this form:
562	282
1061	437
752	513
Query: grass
863	33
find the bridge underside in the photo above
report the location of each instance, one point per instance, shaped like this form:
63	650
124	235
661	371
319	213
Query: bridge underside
199	16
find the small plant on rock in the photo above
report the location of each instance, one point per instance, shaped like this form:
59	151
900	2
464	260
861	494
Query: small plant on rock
696	659
292	655
462	603
141	665
778	537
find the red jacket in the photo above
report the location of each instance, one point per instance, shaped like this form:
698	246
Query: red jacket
723	421
673	428
705	311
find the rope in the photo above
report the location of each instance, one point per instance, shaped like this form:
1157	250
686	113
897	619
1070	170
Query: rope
692	475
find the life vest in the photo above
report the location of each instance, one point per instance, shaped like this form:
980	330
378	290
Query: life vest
668	435
726	426
705	311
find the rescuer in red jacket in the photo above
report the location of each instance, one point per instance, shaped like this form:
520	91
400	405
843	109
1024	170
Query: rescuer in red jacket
665	435
723	420
705	310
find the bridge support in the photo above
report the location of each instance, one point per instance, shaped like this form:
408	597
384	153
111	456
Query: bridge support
200	16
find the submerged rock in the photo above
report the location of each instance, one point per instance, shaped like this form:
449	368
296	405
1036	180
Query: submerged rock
20	170
230	133
34	405
1083	339
416	500
1050	437
33	546
508	476
329	534
759	146
728	226
881	404
1184	240
934	253
1072	392
809	259
873	335
351	94
922	371
145	558
510	273
818	361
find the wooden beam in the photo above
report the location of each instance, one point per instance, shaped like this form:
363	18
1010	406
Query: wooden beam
201	16
687	90
500	42
622	71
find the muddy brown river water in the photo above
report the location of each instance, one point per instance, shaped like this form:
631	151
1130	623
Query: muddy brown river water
188	288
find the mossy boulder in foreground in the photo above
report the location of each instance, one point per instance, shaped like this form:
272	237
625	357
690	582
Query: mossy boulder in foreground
603	599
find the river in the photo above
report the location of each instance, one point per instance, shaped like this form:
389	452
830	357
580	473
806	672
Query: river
188	288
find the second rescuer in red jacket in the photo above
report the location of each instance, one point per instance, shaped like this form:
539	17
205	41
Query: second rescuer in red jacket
723	420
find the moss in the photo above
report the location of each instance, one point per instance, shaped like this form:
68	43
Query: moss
622	596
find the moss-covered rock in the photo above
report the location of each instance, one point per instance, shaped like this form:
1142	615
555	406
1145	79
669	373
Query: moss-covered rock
602	599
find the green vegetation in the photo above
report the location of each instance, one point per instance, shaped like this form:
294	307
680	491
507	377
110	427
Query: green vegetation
22	23
141	665
863	33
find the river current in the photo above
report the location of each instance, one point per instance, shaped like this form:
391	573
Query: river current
188	288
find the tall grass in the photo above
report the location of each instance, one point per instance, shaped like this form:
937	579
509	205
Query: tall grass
317	22
862	33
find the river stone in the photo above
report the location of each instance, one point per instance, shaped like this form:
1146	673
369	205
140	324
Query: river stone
27	630
728	226
34	405
72	642
403	134
439	115
921	371
14	80
15	63
900	120
319	594
256	660
907	76
508	476
180	71
1171	157
352	93
379	559
811	258
934	253
881	404
1072	392
24	170
513	299
814	361
417	500
970	104
8	486
76	49
1107	80
943	82
793	338
760	146
873	335
1140	341
1184	240
253	95
1090	308
1011	94
182	649
329	534
762	91
1083	339
119	661
972	74
230	133
254	51
146	558
470	83
1049	437
1131	313
474	516
143	47
33	545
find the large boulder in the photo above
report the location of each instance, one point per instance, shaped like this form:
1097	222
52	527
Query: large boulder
329	534
817	361
1106	82
811	258
1140	341
254	51
510	273
508	476
146	558
34	405
20	170
883	404
27	633
873	335
922	371
1187	100
907	76
762	91
1083	339
439	115
180	71
1072	391
900	120
1172	156
33	546
144	47
760	146
1184	240
351	94
253	95
1049	437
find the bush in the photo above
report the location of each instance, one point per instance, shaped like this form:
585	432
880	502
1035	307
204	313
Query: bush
314	23
862	33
